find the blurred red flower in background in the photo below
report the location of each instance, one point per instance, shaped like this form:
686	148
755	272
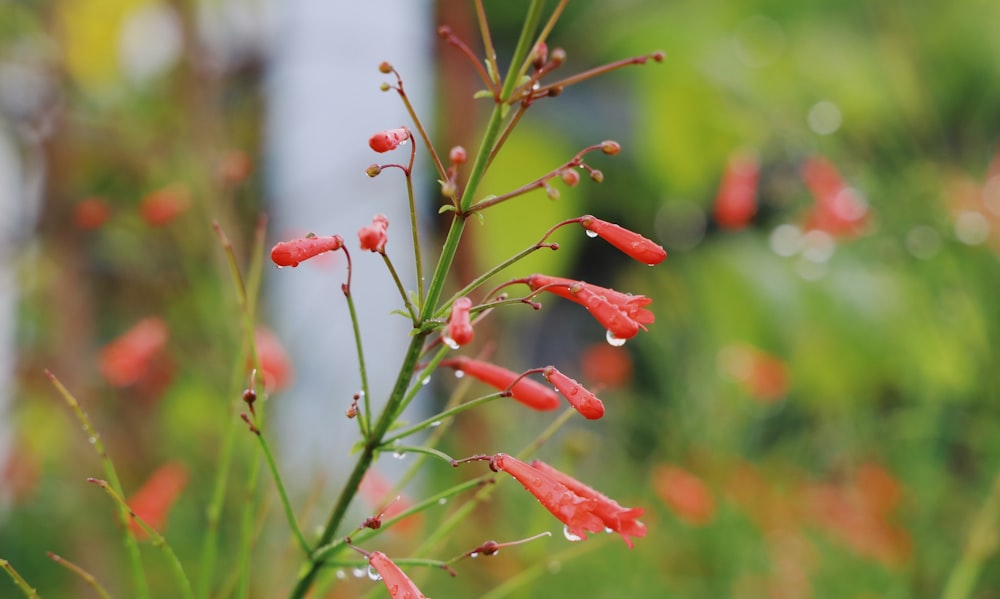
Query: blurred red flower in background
161	207
685	494
736	202
154	499
132	357
274	362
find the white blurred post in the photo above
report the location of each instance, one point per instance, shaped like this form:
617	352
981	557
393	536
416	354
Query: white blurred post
324	103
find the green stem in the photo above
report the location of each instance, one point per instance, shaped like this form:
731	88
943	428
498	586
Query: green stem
247	531
19	580
87	577
367	413
399	286
436	420
402	450
980	545
415	233
285	502
131	547
525	41
496	270
156	537
539	569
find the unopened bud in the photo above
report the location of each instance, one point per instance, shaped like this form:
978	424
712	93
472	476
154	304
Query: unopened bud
658	56
570	177
610	147
552	192
373	170
385	87
539	55
385	68
444	32
596	176
351	412
555	91
448	189
558	57
458	155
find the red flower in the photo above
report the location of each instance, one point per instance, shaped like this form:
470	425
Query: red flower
162	206
632	306
383	141
529	392
685	494
91	213
130	357
736	202
576	505
764	376
459	330
290	253
606	366
580	398
838	211
277	369
630	243
399	584
153	500
373	237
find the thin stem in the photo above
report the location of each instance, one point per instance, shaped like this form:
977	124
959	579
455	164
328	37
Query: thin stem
979	546
87	577
542	567
131	547
514	120
367	414
404	449
156	537
399	286
491	52
420	126
443	267
436	420
19	580
415	233
551	23
594	72
518	63
285	502
453	40
500	267
247	531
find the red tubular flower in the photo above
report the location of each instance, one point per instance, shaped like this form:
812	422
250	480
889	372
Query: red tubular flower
153	500
632	244
615	517
274	362
617	322
527	391
383	141
130	358
576	512
632	305
580	398
290	253
459	330
838	210
399	584
373	237
685	494
736	202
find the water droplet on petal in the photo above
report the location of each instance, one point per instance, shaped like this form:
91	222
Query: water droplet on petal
570	536
449	342
373	573
459	374
591	234
614	341
359	572
607	530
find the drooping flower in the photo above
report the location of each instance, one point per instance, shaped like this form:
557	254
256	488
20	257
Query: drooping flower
277	368
684	493
291	253
579	397
459	331
527	391
390	139
373	237
130	358
632	244
632	305
162	206
579	507
736	202
154	499
399	584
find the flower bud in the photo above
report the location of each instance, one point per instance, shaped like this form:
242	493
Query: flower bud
373	170
373	237
539	55
390	139
597	176
610	147
558	57
570	177
458	155
384	67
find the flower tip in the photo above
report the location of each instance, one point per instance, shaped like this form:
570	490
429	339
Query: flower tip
458	155
390	139
384	67
658	56
610	147
373	171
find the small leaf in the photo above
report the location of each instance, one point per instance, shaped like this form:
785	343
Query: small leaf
446	208
483	93
491	72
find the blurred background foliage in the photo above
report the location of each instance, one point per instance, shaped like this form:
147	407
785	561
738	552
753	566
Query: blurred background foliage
814	412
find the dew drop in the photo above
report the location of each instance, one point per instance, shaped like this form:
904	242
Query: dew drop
449	342
591	234
570	536
459	374
359	572
435	423
373	573
442	501
92	440
426	380
399	455
473	555
341	575
614	341
608	530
